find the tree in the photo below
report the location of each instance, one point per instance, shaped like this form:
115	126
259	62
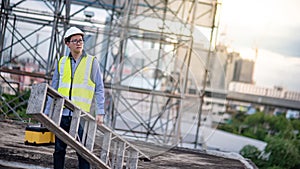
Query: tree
282	136
255	119
282	153
257	126
15	103
253	153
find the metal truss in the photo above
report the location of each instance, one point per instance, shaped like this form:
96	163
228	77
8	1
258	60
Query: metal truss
145	49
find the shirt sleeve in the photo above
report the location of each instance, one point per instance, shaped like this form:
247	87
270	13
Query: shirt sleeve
99	88
54	85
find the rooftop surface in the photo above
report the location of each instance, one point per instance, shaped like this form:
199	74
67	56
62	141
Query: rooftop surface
16	154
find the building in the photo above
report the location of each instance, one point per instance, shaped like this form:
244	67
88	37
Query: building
234	67
18	82
243	71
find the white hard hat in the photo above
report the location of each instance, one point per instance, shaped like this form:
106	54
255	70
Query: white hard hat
73	31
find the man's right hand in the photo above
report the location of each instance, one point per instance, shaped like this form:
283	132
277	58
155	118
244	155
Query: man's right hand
99	119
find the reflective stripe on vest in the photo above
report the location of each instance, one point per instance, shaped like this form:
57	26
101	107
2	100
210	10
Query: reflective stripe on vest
83	87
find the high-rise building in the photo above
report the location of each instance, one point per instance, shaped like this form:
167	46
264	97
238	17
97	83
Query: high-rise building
217	68
235	67
243	71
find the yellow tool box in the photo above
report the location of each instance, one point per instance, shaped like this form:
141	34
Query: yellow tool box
37	135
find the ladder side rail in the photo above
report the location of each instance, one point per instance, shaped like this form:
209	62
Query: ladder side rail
118	148
69	140
72	107
89	129
89	117
38	97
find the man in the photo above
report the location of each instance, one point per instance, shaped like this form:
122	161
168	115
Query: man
78	78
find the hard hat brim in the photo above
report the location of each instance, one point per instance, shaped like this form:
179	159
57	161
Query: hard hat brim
73	31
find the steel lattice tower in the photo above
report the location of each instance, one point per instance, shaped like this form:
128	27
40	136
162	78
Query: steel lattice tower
146	50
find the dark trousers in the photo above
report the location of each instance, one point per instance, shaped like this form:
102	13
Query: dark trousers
60	147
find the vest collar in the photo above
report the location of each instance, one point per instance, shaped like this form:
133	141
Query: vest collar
82	55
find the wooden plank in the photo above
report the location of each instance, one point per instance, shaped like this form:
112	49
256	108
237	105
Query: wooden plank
37	99
132	160
104	154
75	123
91	134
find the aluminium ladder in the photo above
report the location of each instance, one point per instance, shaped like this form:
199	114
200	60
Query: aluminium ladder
115	152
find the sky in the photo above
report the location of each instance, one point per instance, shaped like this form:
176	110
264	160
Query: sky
271	26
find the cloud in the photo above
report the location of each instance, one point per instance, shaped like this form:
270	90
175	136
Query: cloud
275	69
267	24
283	40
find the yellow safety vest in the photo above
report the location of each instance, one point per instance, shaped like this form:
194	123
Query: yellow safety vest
83	87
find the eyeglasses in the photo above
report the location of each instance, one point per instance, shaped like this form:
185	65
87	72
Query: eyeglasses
75	41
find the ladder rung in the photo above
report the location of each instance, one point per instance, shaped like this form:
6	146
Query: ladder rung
75	123
37	99
58	103
104	154
114	154
120	154
91	133
132	160
85	128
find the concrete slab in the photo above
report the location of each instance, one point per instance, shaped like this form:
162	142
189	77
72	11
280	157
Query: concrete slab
13	149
